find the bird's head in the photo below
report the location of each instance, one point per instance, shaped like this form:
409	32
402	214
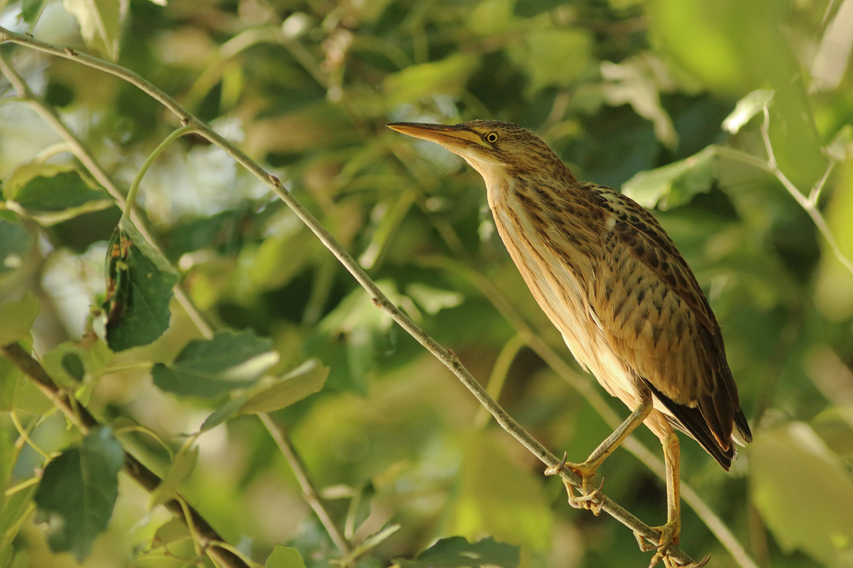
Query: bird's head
497	150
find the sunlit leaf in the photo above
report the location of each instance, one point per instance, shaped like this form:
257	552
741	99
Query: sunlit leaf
492	17
284	557
16	318
821	524
456	552
78	491
543	56
210	368
70	363
746	108
674	184
433	300
445	77
100	23
274	394
174	530
637	81
54	193
180	468
139	288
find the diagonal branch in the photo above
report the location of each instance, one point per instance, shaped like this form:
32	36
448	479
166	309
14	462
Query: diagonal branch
207	538
448	358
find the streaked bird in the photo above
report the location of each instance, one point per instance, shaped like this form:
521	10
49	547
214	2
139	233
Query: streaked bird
611	280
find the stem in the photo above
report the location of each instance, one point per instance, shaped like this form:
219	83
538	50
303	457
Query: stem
282	440
448	358
206	537
130	200
809	204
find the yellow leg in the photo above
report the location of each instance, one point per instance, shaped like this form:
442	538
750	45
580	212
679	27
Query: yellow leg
671	531
590	495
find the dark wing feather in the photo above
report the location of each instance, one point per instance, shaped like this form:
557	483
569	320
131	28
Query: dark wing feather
656	317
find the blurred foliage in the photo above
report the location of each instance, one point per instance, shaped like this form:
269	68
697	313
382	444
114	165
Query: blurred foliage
631	93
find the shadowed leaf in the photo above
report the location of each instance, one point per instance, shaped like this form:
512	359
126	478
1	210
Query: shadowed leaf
77	493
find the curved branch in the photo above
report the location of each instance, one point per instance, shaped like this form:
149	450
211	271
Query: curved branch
448	358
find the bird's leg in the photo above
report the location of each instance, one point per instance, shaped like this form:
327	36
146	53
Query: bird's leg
670	532
590	494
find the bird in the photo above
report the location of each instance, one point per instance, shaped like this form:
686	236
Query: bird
614	284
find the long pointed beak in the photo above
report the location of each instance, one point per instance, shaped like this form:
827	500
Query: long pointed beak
455	136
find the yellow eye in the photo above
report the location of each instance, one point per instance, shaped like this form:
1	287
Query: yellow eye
491	137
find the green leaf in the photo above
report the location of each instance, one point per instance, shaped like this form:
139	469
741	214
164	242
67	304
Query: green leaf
10	377
495	497
210	368
15	507
274	394
54	193
284	557
16	319
139	288
638	82
271	394
543	56
174	530
675	184
181	467
30	9
70	363
100	23
456	552
14	243
746	108
782	458
433	300
78	491
445	77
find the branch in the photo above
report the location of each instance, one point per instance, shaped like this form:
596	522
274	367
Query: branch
809	204
448	358
207	538
282	440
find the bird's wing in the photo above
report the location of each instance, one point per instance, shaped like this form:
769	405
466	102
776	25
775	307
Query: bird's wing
654	314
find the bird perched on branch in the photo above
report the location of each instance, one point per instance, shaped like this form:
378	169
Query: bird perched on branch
629	308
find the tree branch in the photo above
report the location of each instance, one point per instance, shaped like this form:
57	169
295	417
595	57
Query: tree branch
312	497
448	358
208	539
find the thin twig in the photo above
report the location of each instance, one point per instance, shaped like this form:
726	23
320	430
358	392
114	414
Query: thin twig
207	538
448	358
312	497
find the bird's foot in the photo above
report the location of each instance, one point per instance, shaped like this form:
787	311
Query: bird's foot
669	535
590	497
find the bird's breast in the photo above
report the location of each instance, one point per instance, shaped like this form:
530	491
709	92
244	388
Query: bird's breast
553	255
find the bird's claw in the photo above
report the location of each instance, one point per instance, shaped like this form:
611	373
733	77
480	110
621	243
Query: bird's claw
668	536
590	497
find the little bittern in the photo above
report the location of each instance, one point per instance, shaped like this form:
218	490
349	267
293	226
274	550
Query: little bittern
610	278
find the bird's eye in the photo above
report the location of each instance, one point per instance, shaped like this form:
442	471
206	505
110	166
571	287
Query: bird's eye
491	137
